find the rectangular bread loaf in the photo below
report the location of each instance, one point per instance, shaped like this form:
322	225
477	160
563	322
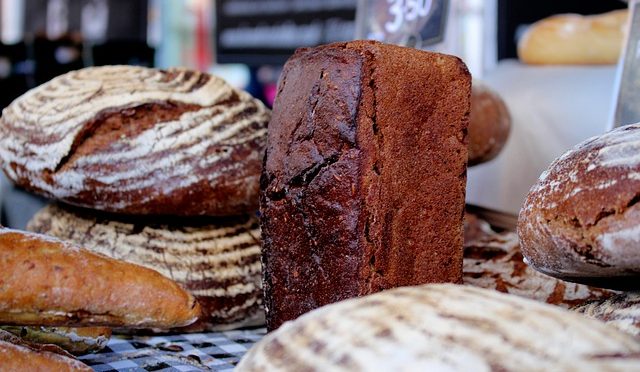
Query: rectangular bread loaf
364	178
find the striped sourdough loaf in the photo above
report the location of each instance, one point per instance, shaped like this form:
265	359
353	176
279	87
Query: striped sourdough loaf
580	222
138	141
216	259
494	261
443	327
621	311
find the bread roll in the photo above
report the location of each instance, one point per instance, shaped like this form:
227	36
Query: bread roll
216	259
443	327
572	39
136	140
580	221
77	341
365	173
48	282
489	124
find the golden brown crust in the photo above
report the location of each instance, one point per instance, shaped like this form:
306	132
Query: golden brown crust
489	124
574	39
48	282
23	358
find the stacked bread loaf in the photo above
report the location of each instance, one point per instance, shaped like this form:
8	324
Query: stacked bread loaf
156	167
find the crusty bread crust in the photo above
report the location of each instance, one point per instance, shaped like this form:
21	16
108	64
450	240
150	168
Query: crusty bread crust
364	179
48	282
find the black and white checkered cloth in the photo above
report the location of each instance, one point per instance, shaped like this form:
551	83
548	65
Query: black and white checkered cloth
216	351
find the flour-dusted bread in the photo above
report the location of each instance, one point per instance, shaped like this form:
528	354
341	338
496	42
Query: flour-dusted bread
216	259
443	327
136	140
573	39
364	179
581	220
46	281
76	341
494	261
489	124
621	311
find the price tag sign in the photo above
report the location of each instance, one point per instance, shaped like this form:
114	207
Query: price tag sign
413	23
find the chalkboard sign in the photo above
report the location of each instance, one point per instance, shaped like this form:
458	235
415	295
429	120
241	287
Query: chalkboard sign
258	32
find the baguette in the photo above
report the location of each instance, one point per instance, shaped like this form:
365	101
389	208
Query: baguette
77	341
18	355
52	283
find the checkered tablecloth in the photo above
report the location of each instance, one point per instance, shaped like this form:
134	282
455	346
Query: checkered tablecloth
216	351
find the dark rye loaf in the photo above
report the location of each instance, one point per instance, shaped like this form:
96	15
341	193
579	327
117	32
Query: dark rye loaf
136	140
364	178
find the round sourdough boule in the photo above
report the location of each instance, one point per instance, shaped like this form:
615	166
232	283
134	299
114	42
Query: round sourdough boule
136	140
489	124
581	221
443	327
216	259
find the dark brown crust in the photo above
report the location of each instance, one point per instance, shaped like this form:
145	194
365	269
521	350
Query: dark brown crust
364	176
489	124
47	282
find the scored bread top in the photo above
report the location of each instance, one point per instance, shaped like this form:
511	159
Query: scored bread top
442	327
137	140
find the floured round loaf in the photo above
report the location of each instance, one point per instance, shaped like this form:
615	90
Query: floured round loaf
494	261
621	311
136	140
216	259
489	124
581	221
443	327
